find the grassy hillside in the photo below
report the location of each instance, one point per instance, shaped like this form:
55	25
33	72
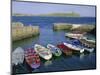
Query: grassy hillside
72	14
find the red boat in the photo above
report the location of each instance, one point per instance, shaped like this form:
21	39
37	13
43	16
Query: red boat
65	49
32	58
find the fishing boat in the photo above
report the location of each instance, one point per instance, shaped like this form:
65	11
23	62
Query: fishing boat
78	44
87	42
65	49
74	35
18	56
74	47
56	51
43	52
32	58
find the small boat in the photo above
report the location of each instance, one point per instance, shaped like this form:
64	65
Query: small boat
77	43
87	42
65	49
56	51
74	47
32	58
43	52
74	35
18	56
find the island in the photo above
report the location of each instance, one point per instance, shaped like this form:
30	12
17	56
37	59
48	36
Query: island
70	14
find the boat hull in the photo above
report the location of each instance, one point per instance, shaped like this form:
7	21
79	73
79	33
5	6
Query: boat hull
74	48
73	36
43	52
65	50
32	58
18	56
56	51
88	43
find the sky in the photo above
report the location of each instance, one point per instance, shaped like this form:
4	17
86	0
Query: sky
45	8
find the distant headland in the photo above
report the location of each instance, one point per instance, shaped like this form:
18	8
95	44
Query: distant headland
71	14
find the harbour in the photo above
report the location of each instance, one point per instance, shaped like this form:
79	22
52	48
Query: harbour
48	35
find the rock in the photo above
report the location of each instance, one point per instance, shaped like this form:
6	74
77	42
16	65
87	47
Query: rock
73	27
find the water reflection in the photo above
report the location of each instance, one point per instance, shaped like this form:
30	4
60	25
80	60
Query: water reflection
63	62
35	70
47	63
82	56
25	43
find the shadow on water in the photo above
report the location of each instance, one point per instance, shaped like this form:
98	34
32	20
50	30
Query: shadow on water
25	43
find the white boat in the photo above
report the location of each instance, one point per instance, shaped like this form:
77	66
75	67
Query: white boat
56	51
73	47
43	52
88	42
18	56
74	35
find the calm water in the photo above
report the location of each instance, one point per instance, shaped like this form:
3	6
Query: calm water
47	35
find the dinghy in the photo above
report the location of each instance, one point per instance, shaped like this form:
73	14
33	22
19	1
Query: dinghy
74	47
18	56
32	58
43	52
87	42
74	35
56	51
65	49
77	43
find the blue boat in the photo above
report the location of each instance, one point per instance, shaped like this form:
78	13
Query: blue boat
80	45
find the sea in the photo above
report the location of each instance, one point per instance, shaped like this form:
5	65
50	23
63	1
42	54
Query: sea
49	36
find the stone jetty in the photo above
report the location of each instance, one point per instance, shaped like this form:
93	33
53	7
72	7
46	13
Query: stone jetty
82	27
62	26
19	31
73	27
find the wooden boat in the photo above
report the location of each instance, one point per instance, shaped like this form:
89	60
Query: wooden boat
56	51
32	58
65	49
74	47
74	35
87	42
18	56
43	52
